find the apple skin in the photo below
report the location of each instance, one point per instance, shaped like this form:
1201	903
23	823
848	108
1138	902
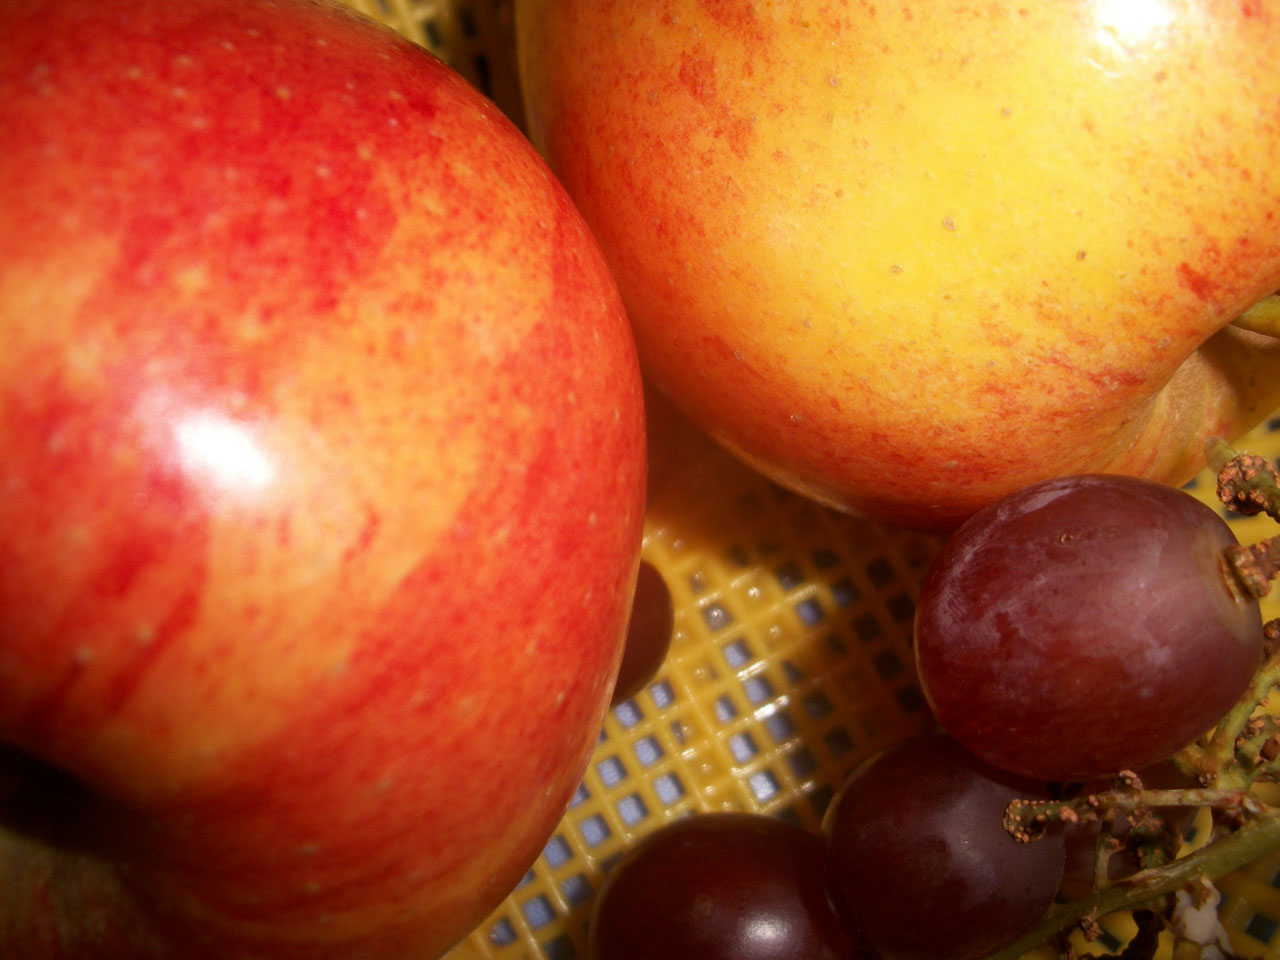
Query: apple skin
908	260
322	459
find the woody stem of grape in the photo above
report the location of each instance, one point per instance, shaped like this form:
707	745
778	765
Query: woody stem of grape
1254	839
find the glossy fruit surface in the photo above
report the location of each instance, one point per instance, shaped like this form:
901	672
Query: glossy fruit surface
723	886
1084	625
321	485
920	866
968	249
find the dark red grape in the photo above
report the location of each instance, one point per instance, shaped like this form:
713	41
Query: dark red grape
721	886
1084	625
920	864
648	633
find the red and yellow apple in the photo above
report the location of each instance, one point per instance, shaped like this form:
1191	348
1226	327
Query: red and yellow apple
321	487
909	258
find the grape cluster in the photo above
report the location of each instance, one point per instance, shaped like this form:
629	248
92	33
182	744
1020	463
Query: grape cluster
914	864
1082	627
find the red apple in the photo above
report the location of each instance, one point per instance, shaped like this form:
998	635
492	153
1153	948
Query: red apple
910	258
321	460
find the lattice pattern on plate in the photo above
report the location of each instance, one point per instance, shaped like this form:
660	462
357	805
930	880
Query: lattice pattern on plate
791	662
792	654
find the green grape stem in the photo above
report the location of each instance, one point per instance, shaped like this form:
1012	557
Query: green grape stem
1214	760
1247	484
1256	565
1025	820
1256	837
1259	747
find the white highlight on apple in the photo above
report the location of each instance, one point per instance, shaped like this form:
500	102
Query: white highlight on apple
223	451
1132	23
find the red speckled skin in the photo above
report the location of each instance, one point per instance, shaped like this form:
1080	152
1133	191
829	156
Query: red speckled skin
322	465
907	261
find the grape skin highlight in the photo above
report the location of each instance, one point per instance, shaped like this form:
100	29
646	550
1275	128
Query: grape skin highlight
920	864
1084	625
720	886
